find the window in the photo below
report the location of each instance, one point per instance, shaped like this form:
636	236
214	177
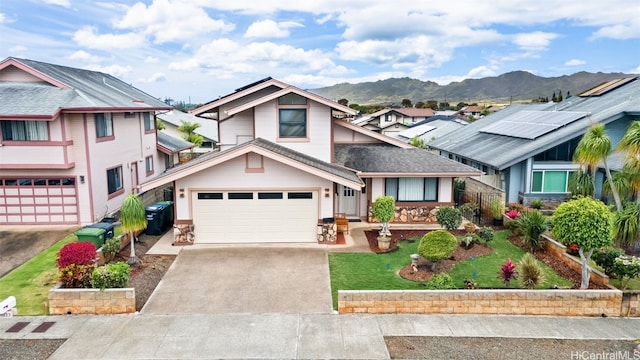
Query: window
149	124
104	125
412	189
548	181
114	179
240	196
25	130
299	195
149	164
292	116
269	196
209	196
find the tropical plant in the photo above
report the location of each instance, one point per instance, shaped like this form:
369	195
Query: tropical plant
626	227
586	222
468	210
485	234
626	267
449	217
133	218
508	272
78	253
188	129
497	208
437	245
593	149
581	183
110	276
76	276
111	247
513	214
160	125
532	225
384	208
531	273
605	258
418	142
536	204
440	282
630	145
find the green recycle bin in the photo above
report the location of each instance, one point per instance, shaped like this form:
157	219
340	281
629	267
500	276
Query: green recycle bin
94	235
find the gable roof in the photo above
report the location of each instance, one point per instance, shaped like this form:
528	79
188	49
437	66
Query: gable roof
56	88
415	112
383	160
502	151
171	145
372	134
208	127
335	173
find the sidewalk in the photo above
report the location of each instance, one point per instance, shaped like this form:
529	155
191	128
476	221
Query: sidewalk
290	336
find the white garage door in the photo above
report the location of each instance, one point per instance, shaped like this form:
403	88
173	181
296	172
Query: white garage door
30	201
255	216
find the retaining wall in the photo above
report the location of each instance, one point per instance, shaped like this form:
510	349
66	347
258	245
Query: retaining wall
480	301
560	251
91	301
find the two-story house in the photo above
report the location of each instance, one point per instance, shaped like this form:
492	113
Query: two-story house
207	128
73	143
289	159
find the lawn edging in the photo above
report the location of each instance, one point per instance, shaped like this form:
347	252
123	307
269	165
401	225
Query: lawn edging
484	301
91	301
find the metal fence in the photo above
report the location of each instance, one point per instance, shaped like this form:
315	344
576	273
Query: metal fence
481	216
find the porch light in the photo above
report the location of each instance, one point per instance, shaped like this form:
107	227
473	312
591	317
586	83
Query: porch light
327	192
181	193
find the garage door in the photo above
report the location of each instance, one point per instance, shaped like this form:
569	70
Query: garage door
255	216
38	201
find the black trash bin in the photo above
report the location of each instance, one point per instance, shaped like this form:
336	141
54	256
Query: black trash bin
155	219
107	226
168	214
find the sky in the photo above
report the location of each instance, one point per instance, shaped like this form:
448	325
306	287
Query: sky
197	50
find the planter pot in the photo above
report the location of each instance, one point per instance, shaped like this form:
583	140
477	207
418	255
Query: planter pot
470	228
384	242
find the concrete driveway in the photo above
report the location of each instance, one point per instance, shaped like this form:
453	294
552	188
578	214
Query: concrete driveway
259	279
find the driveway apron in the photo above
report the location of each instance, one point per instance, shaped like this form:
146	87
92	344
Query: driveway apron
244	280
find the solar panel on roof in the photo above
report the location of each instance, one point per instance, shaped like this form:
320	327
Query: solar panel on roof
532	124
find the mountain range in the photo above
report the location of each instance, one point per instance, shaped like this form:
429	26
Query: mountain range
516	86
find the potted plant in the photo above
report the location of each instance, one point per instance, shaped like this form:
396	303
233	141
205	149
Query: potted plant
384	208
497	209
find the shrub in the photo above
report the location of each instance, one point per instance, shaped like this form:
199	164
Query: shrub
78	253
111	247
536	204
110	276
515	206
497	208
440	282
508	272
485	234
531	272
532	224
468	240
76	276
449	217
605	258
383	209
626	268
437	245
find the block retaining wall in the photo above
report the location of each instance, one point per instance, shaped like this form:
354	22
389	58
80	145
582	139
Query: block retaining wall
560	251
91	301
480	301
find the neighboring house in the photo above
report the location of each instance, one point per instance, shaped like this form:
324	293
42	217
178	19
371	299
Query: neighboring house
472	110
431	129
171	147
393	120
73	143
286	162
208	128
527	150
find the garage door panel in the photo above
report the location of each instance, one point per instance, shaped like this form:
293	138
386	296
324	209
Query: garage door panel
35	201
268	217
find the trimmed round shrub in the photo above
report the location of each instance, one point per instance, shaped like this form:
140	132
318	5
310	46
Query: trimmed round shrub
440	282
437	245
78	253
449	217
485	234
110	276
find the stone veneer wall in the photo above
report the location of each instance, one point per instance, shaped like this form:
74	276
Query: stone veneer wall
327	233
183	234
410	214
505	302
92	301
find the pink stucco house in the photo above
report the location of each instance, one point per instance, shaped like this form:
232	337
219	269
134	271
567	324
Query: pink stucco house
73	143
288	159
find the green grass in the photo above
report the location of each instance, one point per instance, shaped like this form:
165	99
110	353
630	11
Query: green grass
369	271
31	281
634	284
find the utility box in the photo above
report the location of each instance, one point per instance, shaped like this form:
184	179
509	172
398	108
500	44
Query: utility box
89	234
109	228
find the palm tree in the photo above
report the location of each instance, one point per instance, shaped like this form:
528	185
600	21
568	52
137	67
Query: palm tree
189	128
593	149
630	143
133	218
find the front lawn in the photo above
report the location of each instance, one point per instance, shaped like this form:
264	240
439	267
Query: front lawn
369	271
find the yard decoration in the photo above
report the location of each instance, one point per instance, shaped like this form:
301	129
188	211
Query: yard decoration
384	208
587	223
437	245
134	218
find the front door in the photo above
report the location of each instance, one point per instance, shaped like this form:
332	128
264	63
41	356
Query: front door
347	200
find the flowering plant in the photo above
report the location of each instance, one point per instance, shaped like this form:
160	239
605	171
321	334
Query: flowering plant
515	206
626	268
573	249
508	272
513	214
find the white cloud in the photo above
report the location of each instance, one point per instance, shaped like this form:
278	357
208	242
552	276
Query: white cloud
151	60
84	56
270	29
88	37
169	21
574	62
534	41
63	3
4	19
619	32
17	49
115	70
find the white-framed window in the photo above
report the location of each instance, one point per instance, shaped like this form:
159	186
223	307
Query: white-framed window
412	189
104	125
550	181
14	130
149	124
114	180
292	116
148	161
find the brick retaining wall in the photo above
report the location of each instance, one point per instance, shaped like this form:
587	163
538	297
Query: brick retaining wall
92	301
480	301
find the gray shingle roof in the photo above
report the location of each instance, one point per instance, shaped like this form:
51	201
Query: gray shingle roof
208	127
502	151
172	143
382	158
87	90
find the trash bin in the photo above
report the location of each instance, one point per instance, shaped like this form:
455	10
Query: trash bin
89	234
107	226
168	214
155	219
